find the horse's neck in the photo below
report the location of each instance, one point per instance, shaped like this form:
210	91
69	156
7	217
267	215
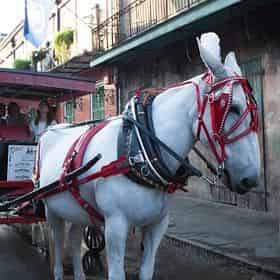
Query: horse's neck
174	114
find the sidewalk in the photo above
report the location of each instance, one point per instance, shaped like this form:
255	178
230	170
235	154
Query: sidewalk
245	236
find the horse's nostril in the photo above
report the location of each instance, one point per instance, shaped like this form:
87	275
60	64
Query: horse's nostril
249	182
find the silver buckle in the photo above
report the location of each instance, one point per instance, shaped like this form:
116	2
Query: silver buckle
138	158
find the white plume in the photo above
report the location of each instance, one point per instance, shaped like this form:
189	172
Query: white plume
211	42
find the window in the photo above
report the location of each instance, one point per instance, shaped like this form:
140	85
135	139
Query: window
69	111
97	104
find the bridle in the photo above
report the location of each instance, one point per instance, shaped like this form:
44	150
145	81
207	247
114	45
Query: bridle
219	110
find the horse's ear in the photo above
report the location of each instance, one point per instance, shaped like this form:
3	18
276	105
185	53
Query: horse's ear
231	63
210	53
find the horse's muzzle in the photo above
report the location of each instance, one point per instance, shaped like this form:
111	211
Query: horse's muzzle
246	184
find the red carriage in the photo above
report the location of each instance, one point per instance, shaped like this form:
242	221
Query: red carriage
18	195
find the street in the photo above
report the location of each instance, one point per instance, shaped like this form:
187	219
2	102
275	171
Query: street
18	260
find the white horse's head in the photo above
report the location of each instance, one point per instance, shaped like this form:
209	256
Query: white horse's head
242	153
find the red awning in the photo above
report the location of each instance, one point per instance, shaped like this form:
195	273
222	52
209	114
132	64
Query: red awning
37	85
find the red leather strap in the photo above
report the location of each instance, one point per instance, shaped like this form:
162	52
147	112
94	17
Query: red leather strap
83	143
117	167
120	166
74	160
93	214
219	109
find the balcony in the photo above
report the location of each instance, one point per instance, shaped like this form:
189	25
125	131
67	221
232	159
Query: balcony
148	24
135	18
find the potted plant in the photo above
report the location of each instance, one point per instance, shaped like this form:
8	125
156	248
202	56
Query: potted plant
22	64
62	43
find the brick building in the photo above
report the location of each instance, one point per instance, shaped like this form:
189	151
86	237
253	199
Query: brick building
153	45
80	17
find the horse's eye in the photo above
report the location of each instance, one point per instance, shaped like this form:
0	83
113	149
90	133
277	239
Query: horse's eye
235	109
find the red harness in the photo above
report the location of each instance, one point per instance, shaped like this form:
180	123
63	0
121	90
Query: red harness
219	110
74	160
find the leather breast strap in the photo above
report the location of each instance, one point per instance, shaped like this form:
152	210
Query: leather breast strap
73	161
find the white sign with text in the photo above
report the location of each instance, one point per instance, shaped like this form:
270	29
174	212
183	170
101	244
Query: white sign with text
21	161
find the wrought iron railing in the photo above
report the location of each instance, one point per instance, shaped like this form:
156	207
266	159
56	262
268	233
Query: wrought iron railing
134	18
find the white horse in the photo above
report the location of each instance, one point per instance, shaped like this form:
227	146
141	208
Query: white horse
124	203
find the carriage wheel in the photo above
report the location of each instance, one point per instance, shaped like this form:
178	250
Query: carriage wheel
94	239
92	263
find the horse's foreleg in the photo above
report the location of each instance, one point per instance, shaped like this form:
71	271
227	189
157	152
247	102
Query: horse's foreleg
152	237
75	240
116	228
57	226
